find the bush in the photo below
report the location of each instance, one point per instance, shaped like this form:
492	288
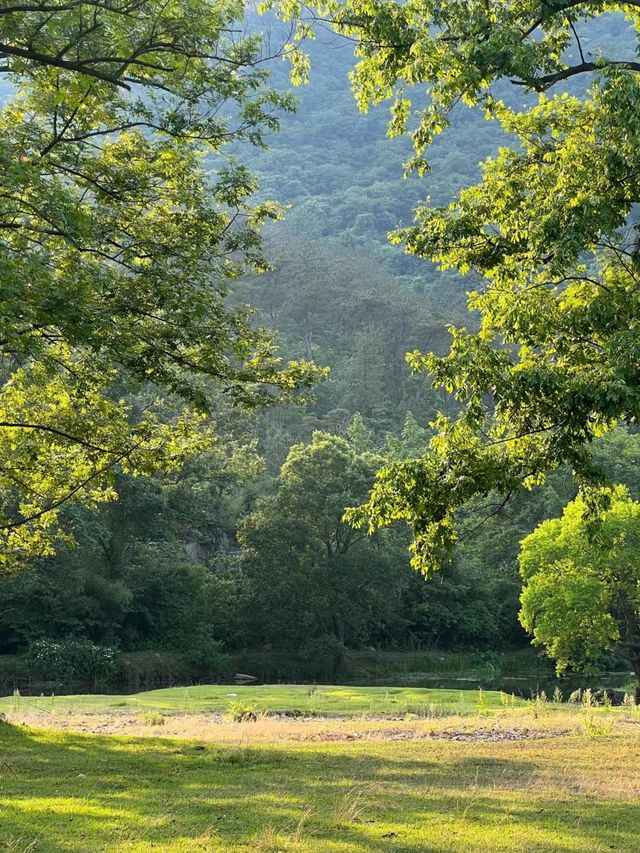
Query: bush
324	655
71	659
243	712
203	660
206	656
487	665
12	671
154	669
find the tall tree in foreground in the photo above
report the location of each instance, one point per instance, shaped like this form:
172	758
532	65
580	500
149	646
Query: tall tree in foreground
117	248
549	228
581	595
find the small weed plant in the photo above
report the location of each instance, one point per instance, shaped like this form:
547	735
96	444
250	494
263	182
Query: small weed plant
153	718
541	704
298	833
595	727
19	845
481	706
268	841
243	712
508	700
351	806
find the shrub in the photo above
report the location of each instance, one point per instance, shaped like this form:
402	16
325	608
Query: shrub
13	671
575	698
487	665
206	656
323	655
71	659
242	712
154	669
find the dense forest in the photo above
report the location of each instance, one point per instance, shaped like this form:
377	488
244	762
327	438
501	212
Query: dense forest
244	545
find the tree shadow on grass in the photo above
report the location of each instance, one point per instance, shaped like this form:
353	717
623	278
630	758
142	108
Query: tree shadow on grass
77	793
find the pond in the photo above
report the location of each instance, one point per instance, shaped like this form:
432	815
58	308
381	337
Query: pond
526	686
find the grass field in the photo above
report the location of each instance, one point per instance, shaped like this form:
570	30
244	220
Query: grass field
525	778
287	698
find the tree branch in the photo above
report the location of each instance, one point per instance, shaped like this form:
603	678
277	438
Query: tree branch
45	59
44	428
542	83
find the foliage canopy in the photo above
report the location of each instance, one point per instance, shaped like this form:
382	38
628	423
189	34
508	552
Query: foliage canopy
581	595
312	579
117	248
549	229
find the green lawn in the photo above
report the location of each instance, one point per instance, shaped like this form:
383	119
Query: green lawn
321	700
286	786
63	792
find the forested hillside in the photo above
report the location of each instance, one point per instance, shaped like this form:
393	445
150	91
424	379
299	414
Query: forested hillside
244	546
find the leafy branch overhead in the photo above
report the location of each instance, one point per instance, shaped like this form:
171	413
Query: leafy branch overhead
549	228
119	242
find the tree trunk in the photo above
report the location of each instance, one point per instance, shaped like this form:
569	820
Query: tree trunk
308	347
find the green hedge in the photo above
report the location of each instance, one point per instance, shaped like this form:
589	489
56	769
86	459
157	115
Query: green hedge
75	665
13	672
146	670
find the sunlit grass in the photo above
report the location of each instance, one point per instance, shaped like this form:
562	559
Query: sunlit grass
64	791
562	779
273	698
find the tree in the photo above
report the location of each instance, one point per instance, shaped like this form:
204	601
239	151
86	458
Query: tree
139	563
353	317
308	576
549	229
581	595
119	243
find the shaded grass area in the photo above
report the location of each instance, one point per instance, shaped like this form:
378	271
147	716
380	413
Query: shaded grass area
72	793
273	698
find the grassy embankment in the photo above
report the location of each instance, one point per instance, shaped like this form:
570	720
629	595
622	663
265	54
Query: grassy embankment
482	776
301	699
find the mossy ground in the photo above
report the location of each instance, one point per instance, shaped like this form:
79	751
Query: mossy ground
315	787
